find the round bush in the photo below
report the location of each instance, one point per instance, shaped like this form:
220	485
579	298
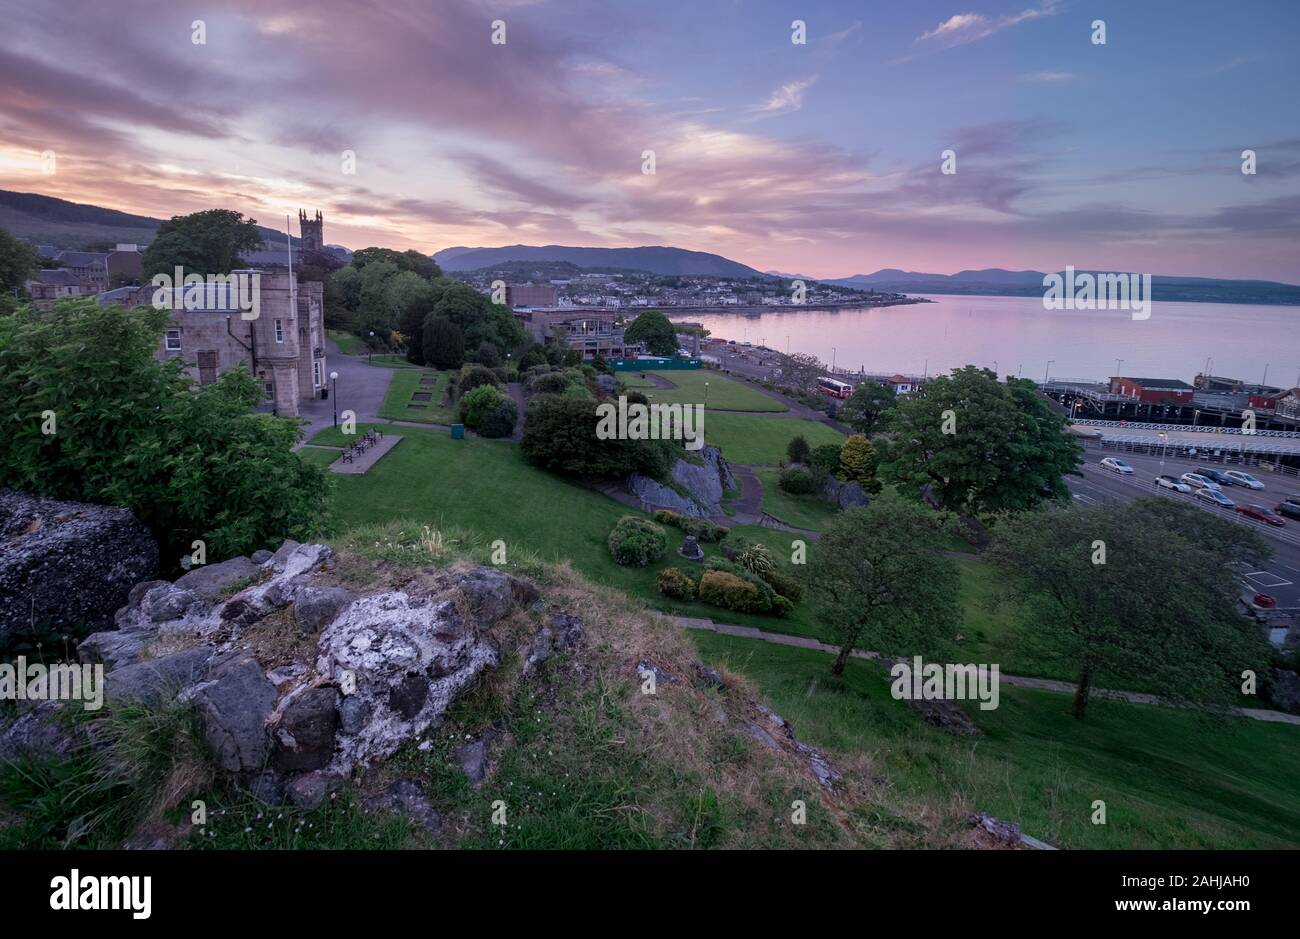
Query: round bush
730	592
477	403
636	542
499	421
475	376
676	583
798	482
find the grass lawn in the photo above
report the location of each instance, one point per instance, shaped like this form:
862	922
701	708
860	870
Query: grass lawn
318	456
1169	778
724	393
810	511
389	360
753	439
405	383
348	344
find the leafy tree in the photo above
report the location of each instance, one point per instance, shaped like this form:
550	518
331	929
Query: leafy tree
802	370
881	581
487	355
825	458
208	242
444	343
18	260
131	431
477	402
858	462
866	408
560	435
655	330
479	318
532	358
981	447
413	261
798	450
1142	594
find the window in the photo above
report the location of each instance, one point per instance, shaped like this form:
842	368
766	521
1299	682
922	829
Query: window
316	373
173	340
207	367
279	330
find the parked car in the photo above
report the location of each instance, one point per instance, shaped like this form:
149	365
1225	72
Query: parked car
1218	476
1168	482
1289	509
1261	513
1244	479
1117	466
1197	481
1216	496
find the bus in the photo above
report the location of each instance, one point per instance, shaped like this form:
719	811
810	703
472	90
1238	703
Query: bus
834	387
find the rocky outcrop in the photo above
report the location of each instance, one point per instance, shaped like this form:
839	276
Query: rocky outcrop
704	482
68	564
845	495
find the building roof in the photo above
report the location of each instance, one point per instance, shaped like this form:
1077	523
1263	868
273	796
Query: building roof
1154	384
899	380
57	277
82	258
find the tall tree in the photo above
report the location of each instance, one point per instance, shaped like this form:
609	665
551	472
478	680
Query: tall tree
858	463
444	343
866	408
207	242
981	447
1141	594
655	330
880	580
18	260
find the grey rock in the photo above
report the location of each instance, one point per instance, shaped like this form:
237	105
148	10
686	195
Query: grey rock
211	582
156	680
404	797
233	707
168	602
567	629
261	556
539	651
115	648
758	733
662	676
39	733
268	786
845	495
68	562
286	673
710	677
315	607
1007	833
493	594
655	495
472	757
304	733
137	594
310	790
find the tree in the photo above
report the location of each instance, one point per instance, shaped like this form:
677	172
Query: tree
798	450
979	446
479	318
560	435
130	430
1142	594
880	580
18	260
655	330
413	261
444	343
866	408
858	463
207	242
802	370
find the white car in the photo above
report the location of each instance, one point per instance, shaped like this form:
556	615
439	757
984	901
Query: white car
1244	479
1197	481
1216	496
1168	482
1118	466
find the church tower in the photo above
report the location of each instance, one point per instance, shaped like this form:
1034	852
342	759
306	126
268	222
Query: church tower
311	231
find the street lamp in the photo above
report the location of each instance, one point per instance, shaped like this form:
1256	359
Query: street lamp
334	393
834	351
1118	363
706	395
370	347
1164	447
1047	371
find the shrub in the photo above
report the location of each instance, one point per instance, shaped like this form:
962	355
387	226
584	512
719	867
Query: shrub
477	402
826	458
785	585
533	357
676	583
703	529
730	592
765	598
798	450
858	463
797	481
756	559
636	542
473	376
487	354
560	435
499	421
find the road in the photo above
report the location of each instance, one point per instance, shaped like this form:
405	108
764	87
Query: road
1279	577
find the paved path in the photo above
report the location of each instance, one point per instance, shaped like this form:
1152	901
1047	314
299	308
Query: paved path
1041	684
361	464
361	388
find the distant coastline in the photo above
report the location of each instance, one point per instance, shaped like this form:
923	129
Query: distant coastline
679	312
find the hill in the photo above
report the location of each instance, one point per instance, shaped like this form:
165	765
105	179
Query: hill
998	282
47	220
651	259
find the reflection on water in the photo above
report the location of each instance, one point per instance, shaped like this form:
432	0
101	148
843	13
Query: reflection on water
1021	337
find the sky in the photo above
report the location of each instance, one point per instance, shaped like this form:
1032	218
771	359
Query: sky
821	158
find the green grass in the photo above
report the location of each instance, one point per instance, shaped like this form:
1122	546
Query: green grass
810	511
318	456
723	393
405	383
1169	778
348	343
753	439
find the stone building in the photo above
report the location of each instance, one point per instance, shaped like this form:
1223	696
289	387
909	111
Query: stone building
50	286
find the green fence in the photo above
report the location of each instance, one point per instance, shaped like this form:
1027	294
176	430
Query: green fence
655	363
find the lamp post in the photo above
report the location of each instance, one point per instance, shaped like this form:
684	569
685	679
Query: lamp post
834	351
1047	371
1164	448
334	393
370	347
706	395
1118	363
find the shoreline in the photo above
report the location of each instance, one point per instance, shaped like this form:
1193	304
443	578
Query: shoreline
670	312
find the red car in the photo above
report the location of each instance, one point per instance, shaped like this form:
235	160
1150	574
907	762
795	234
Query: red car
1261	513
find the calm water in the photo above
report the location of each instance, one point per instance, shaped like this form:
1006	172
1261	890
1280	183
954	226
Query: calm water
1020	336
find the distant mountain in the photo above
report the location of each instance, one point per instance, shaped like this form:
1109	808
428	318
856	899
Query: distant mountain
64	224
652	260
998	282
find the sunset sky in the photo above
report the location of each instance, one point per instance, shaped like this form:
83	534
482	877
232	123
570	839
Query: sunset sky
821	159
